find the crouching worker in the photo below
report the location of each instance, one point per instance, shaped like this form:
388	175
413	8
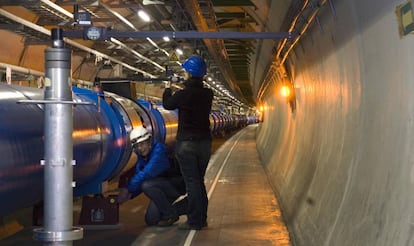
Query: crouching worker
158	178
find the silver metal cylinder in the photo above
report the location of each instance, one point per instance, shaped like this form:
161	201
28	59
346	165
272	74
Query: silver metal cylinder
58	169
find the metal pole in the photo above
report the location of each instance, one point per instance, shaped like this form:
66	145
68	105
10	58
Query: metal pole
58	169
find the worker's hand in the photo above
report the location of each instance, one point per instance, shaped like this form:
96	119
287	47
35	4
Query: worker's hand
167	85
123	195
175	79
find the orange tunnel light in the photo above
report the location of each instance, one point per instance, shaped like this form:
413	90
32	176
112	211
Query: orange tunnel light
285	91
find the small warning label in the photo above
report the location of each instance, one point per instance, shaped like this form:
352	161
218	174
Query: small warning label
173	56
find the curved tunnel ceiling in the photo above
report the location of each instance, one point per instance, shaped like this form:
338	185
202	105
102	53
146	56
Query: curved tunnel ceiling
229	60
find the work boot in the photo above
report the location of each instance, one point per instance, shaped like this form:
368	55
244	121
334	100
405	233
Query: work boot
186	226
168	222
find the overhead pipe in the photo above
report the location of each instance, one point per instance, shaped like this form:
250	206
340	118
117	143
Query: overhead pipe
215	47
292	27
129	24
281	60
304	29
71	42
29	71
280	47
21	69
185	34
136	53
58	8
116	14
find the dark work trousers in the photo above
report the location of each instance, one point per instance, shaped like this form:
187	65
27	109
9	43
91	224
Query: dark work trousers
193	157
162	192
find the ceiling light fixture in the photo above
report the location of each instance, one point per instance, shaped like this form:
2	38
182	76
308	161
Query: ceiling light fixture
144	16
179	51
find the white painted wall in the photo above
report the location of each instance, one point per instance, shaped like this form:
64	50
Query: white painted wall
343	162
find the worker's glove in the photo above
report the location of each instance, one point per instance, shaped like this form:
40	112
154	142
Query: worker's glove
123	195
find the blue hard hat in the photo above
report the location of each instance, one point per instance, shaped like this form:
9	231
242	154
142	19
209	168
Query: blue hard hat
195	66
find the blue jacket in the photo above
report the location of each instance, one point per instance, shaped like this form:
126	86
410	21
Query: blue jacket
151	167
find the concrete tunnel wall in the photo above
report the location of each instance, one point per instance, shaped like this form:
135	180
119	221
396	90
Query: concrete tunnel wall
342	164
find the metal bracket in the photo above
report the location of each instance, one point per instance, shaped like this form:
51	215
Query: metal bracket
40	234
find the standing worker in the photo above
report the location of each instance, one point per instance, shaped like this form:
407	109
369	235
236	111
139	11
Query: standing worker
193	146
155	176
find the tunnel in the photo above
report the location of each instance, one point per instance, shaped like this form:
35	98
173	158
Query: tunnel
333	99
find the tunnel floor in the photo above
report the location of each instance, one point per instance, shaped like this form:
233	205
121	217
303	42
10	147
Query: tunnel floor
243	209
